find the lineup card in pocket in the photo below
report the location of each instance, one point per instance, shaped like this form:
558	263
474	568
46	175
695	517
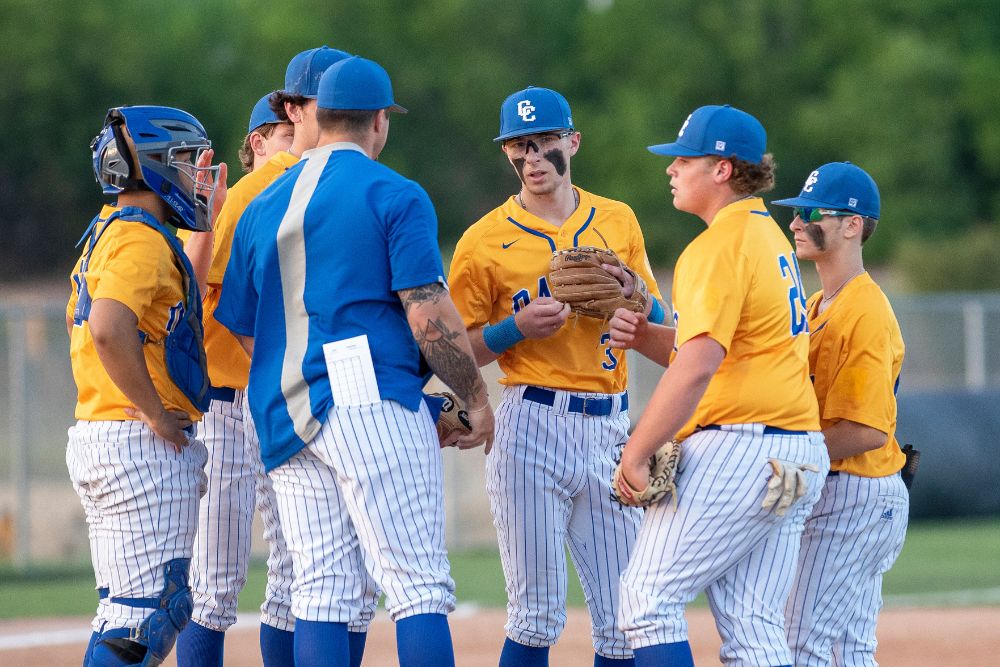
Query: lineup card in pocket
352	374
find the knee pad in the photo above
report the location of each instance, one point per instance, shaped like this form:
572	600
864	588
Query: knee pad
149	644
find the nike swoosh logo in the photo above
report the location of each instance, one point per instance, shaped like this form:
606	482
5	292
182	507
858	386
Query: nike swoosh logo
507	245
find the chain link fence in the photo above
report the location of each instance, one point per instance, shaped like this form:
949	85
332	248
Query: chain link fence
952	343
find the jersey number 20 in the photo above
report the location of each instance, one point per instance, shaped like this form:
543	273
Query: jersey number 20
789	267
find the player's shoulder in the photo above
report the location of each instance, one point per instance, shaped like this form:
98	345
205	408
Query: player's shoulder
605	205
869	299
478	233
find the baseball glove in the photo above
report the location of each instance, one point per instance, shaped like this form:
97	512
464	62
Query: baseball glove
453	417
788	483
577	278
662	469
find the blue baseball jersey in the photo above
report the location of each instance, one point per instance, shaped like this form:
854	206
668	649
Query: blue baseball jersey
319	257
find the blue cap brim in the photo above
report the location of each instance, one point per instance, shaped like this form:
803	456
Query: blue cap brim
533	130
674	149
804	202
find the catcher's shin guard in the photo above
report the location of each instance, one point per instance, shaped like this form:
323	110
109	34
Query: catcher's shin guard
149	644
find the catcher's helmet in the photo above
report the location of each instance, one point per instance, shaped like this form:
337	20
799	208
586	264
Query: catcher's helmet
166	143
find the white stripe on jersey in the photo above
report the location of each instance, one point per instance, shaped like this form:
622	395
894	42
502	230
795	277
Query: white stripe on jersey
292	264
851	539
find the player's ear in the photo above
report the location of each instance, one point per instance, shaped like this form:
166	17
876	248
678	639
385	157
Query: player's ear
293	111
574	143
722	171
257	142
853	227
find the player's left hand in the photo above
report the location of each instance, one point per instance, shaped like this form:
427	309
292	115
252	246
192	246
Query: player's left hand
788	483
169	425
481	425
624	277
627	329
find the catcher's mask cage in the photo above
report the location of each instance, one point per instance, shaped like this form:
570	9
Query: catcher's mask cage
167	143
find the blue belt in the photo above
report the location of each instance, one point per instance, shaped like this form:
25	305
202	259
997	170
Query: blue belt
224	394
592	407
833	473
768	430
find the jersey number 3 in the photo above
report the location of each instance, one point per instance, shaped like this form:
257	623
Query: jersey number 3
789	267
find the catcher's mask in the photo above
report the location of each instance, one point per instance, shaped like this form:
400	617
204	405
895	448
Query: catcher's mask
166	143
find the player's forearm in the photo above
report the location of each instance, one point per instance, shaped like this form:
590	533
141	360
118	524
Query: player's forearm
847	438
483	354
444	342
199	250
676	396
657	343
114	329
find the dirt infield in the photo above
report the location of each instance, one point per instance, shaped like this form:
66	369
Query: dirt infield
911	637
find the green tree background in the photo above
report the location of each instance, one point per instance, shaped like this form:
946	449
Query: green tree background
905	88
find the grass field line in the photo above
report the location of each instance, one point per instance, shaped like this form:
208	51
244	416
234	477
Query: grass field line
244	622
966	598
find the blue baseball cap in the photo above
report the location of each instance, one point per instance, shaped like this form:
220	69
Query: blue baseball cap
262	114
840	186
533	110
718	130
357	83
305	69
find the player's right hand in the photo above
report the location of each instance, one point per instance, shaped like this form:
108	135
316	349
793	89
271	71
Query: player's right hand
169	425
542	317
481	423
627	329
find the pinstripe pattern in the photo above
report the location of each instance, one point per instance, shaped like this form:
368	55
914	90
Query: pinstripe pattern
276	610
548	480
849	542
366	496
721	541
141	501
225	517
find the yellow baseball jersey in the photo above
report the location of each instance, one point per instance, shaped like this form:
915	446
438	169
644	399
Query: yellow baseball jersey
738	282
228	363
501	263
855	355
133	265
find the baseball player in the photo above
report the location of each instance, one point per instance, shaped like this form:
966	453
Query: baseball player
737	396
336	286
134	320
856	530
237	483
564	413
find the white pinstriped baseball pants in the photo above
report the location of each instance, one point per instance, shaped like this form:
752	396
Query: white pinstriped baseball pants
852	538
363	504
720	540
548	480
141	500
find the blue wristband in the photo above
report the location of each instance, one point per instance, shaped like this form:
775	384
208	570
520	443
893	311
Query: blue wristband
656	314
502	336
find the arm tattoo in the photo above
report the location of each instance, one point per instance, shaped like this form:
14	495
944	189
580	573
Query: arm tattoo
452	364
438	342
431	293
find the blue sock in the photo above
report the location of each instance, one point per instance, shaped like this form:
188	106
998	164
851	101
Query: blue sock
356	642
601	661
198	646
519	655
277	647
319	643
677	654
90	647
424	640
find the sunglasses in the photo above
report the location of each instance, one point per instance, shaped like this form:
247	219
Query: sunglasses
817	214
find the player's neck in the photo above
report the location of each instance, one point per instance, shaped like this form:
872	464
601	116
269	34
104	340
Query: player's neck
555	207
836	272
725	196
146	200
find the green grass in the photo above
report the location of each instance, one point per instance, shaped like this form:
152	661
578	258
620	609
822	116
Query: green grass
939	556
